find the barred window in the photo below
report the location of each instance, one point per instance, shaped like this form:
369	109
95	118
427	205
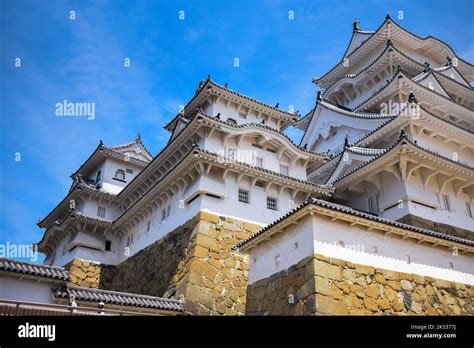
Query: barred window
101	211
243	196
231	154
259	162
284	169
446	202
120	174
271	203
468	210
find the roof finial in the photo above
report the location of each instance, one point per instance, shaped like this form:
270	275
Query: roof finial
225	86
389	42
318	97
387	17
412	98
101	142
277	105
218	116
449	61
355	25
139	138
209	78
427	67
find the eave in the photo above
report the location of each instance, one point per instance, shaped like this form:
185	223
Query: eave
210	88
351	216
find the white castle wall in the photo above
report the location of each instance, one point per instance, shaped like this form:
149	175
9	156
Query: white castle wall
323	236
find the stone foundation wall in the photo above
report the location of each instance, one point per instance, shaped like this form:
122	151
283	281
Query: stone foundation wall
151	270
84	273
321	286
195	260
213	278
436	226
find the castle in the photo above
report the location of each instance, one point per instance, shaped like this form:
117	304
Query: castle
370	214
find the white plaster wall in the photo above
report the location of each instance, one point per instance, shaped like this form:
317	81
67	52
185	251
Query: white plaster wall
448	149
13	288
411	193
263	262
362	247
231	112
246	151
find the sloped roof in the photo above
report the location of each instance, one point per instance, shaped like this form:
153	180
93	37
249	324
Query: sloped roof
118	298
358	213
33	269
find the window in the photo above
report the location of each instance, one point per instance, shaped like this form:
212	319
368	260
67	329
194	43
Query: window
242	114
446	202
129	171
101	211
129	240
277	261
295	245
120	174
259	184
259	162
370	204
97	178
271	203
283	169
148	226
108	245
163	214
468	210
243	196
231	154
377	202
168	210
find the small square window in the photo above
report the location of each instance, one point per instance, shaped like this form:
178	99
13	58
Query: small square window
243	196
284	169
271	203
108	245
231	154
101	211
296	245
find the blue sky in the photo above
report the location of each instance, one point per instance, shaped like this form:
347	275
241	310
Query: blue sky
82	60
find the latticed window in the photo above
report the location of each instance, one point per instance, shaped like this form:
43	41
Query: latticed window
259	162
468	210
271	203
243	196
231	154
120	174
101	211
283	169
